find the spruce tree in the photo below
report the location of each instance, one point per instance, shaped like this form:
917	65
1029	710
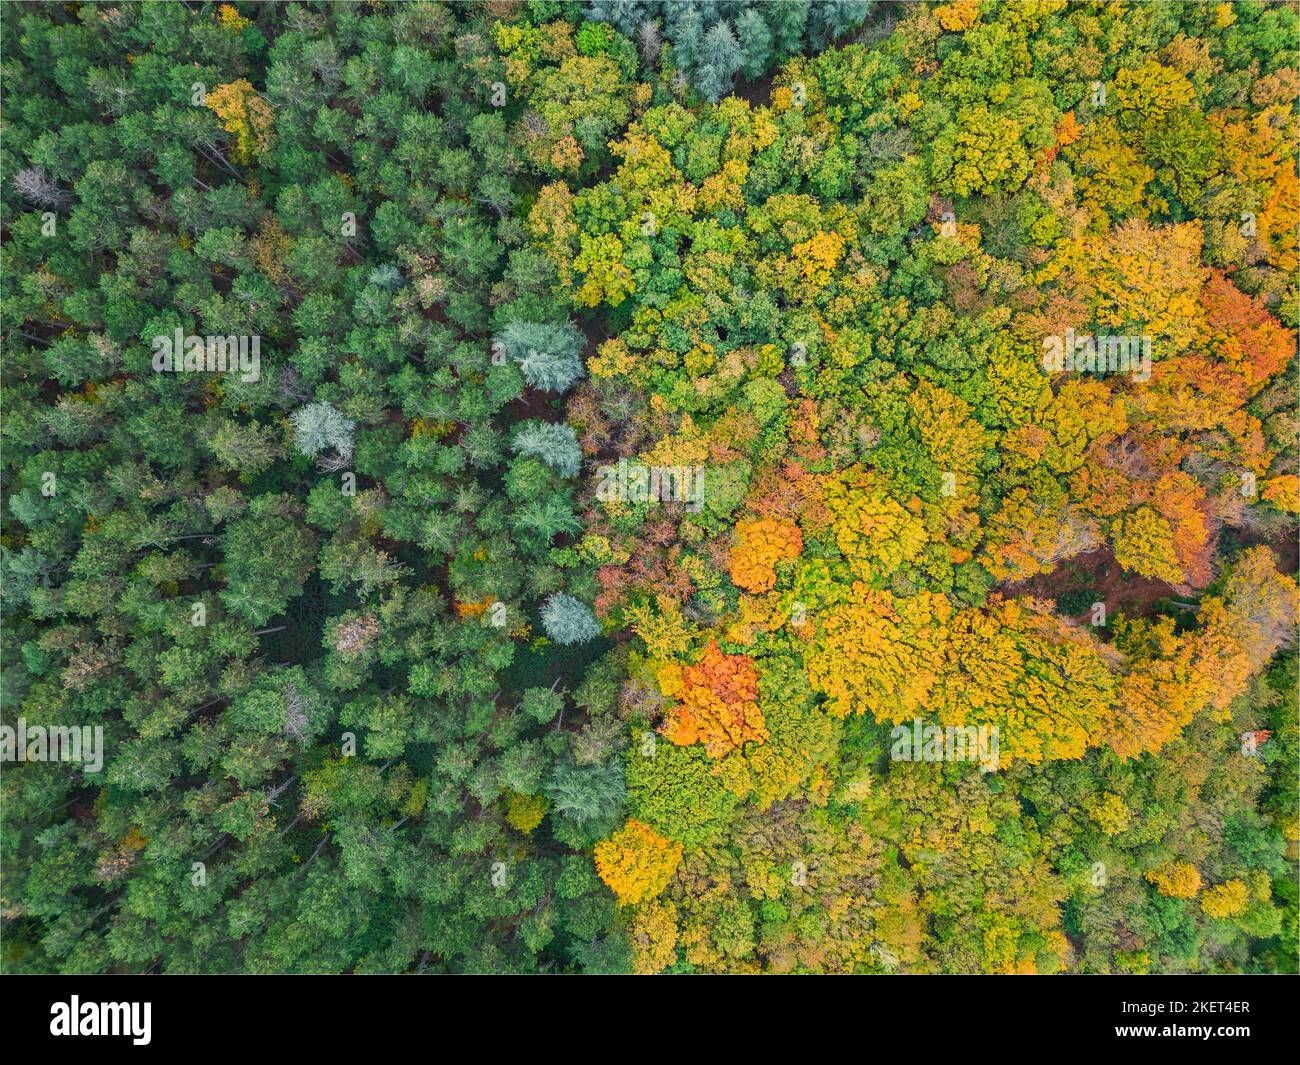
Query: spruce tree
569	621
720	58
833	18
755	42
786	21
686	30
556	445
549	355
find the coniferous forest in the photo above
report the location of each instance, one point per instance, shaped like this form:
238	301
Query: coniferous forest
539	486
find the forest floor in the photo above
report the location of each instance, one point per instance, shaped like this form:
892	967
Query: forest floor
758	93
1099	573
1121	590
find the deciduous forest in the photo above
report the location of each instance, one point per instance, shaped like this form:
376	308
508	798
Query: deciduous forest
649	487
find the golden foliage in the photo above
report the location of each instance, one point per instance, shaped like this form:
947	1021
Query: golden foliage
875	533
247	115
759	545
958	15
636	862
1144	543
1110	813
879	653
654	937
1228	899
1177	880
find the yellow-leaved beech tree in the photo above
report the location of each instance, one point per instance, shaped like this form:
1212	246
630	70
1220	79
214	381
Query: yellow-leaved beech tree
759	545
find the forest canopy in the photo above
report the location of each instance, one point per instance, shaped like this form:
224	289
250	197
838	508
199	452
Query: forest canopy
538	486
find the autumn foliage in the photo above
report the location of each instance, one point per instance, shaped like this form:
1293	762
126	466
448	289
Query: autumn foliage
244	113
719	704
636	862
728	487
759	545
1177	880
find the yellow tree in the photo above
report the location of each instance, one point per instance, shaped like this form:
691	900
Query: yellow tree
247	115
874	532
1228	899
879	653
1177	880
759	545
1144	543
1044	685
636	862
1171	678
654	937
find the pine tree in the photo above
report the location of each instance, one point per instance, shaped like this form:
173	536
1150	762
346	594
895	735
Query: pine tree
387	276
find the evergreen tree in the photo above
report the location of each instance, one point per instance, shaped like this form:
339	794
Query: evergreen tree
625	15
585	793
755	42
318	426
719	59
549	355
387	276
568	620
786	21
830	19
685	30
555	444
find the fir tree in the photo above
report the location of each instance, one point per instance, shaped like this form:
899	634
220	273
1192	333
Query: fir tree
686	30
786	21
624	15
